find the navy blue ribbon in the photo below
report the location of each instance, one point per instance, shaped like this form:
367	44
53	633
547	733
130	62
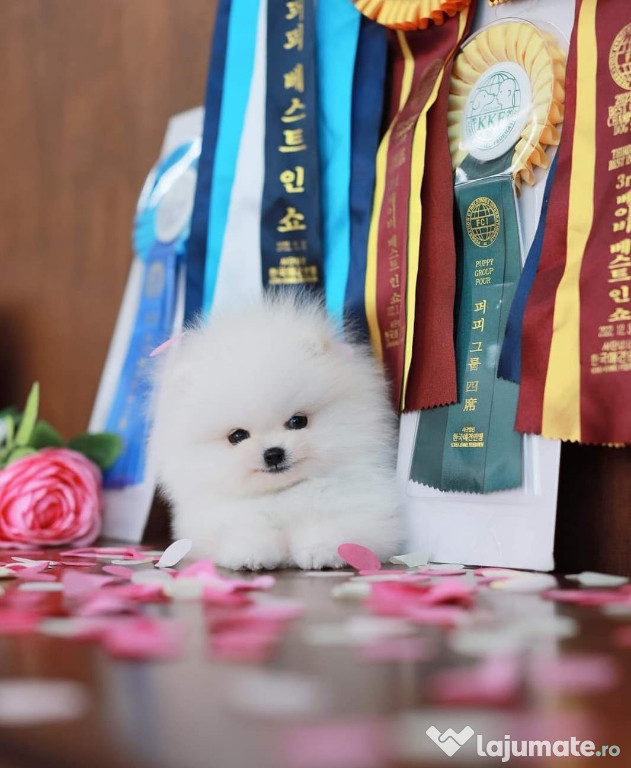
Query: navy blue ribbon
196	246
509	366
367	108
291	250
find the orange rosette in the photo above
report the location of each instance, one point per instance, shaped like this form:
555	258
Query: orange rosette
529	55
410	14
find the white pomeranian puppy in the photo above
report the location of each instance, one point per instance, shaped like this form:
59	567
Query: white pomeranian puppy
274	440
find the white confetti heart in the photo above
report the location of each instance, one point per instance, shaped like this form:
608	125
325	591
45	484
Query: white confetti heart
174	553
33	701
42	586
593	579
411	559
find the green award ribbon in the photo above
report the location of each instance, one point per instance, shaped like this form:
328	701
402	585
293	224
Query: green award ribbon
504	106
480	450
472	445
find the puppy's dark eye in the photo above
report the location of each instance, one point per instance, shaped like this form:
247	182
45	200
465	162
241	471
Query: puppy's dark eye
238	436
298	421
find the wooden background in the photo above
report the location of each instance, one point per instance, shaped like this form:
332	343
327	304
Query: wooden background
86	87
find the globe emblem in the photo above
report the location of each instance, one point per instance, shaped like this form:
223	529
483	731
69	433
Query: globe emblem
483	221
620	58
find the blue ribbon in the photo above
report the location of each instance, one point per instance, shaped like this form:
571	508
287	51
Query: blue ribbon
239	63
196	246
154	318
366	117
337	33
509	366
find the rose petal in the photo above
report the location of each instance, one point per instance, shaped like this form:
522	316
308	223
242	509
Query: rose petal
359	557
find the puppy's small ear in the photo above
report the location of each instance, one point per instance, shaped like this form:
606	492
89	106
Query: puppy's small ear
324	345
318	344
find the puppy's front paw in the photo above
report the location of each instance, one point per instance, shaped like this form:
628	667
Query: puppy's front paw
266	551
315	558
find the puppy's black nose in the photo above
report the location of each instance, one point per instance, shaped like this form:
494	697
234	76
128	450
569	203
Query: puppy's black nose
274	456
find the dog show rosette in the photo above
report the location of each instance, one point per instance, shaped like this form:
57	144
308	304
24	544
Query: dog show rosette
410	14
506	101
507	90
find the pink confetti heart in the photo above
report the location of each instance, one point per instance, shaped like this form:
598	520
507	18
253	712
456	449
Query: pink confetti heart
14	621
242	647
80	585
104	604
95	552
37	568
221	597
245	637
200	568
398	598
143	593
589	597
364	743
451	591
145	639
34	574
575	673
122	571
274	611
359	557
397	649
85	563
438	616
493	682
42	603
248	585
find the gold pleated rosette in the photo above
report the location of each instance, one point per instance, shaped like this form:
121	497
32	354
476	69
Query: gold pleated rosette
410	14
507	88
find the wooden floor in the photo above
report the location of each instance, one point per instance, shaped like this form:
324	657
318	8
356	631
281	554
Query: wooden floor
199	712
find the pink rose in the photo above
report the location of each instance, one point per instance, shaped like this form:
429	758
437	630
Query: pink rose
51	497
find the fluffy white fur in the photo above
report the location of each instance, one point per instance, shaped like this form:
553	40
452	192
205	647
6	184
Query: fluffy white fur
253	370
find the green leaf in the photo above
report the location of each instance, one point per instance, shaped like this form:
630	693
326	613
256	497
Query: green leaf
102	448
29	417
9	425
44	435
19	452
